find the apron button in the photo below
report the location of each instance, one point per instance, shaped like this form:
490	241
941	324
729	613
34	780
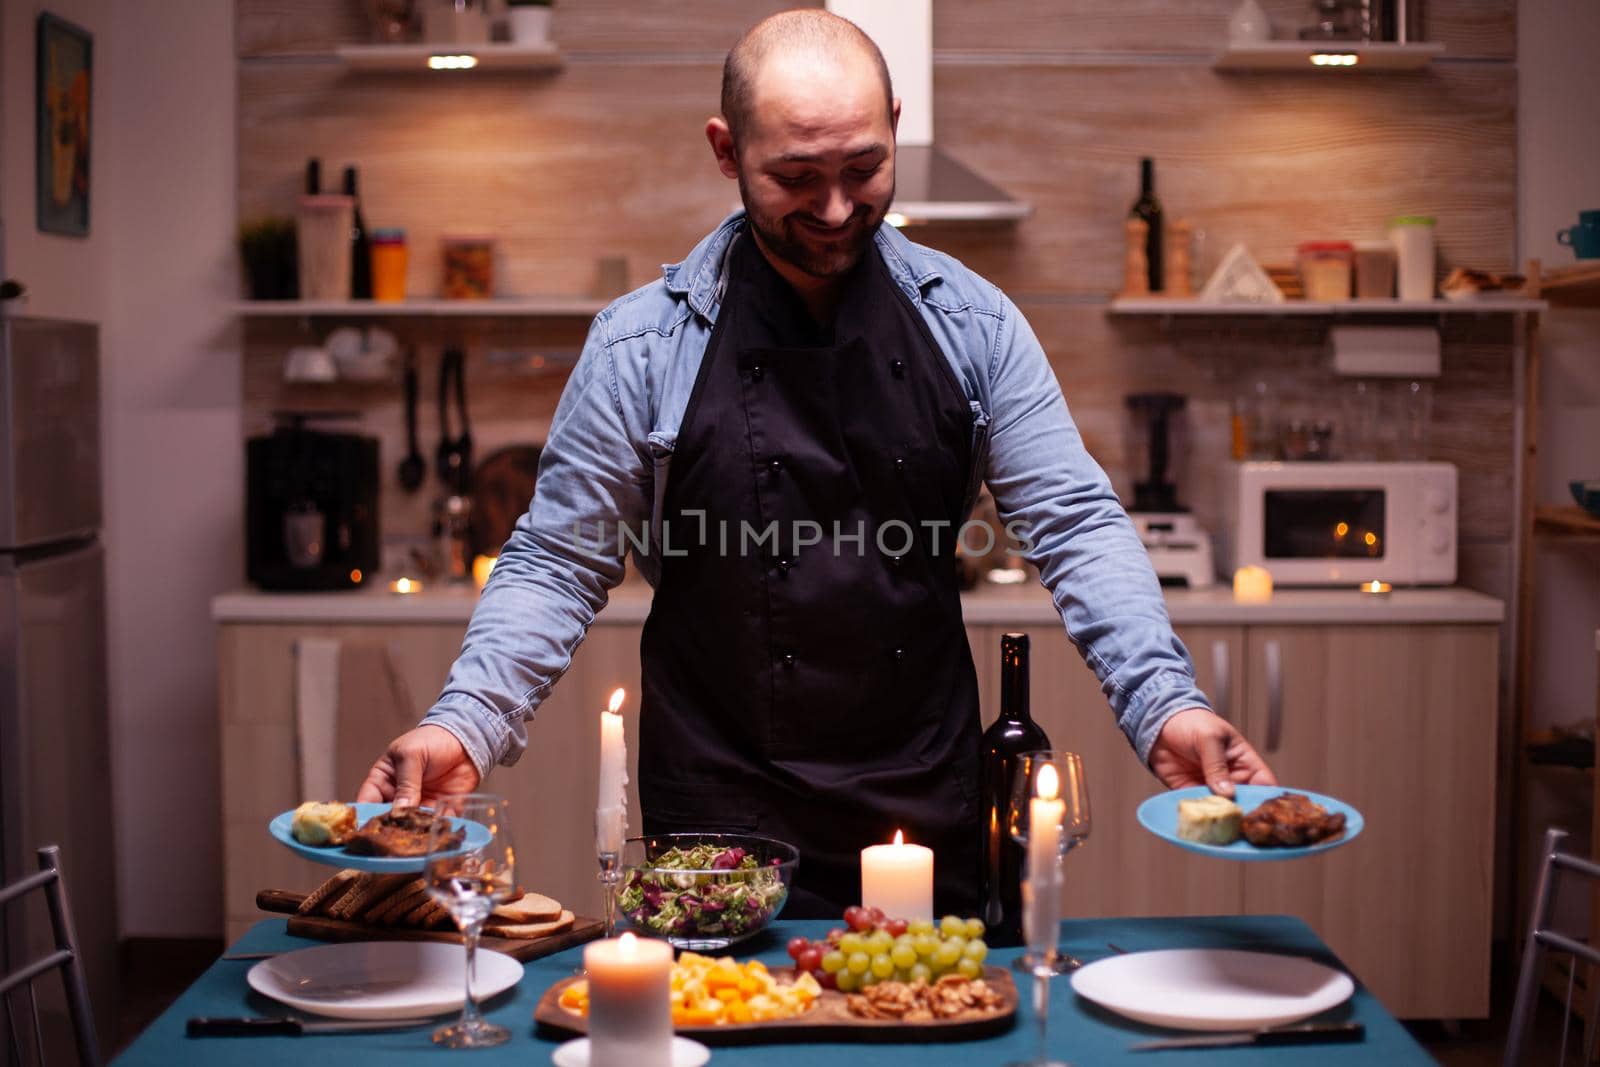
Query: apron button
775	466
788	660
894	561
897	368
757	372
784	564
899	464
899	654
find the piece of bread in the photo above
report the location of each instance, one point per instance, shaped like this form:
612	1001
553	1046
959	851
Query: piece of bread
367	891
423	914
528	908
327	892
1210	820
395	908
527	931
323	825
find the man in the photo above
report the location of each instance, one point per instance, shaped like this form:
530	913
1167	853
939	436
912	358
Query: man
807	371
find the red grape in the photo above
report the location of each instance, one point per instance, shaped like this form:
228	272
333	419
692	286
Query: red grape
826	980
809	959
797	945
895	927
877	916
857	918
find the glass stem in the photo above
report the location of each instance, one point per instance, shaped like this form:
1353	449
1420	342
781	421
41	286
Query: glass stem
470	1019
1041	1009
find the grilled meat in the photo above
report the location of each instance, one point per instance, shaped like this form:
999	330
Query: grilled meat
1290	821
400	833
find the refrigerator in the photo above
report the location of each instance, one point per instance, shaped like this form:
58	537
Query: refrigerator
55	753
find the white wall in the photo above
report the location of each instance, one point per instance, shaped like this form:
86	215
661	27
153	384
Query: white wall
157	272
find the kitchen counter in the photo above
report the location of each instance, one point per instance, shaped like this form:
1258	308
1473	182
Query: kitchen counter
1003	605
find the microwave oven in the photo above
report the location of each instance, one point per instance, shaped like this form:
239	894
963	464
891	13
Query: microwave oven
1341	523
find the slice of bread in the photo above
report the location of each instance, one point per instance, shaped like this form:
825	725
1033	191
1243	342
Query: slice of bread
327	892
367	891
529	908
527	931
396	907
1210	820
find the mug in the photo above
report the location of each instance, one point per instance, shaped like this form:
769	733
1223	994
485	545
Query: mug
1584	238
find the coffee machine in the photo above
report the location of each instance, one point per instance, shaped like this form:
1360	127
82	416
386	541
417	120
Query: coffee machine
311	510
1180	550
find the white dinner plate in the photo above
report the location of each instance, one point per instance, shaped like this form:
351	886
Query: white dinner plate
381	979
1212	988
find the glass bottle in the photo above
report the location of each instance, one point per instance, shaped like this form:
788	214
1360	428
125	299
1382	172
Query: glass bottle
1010	735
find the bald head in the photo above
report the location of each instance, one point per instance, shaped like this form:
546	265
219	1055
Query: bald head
809	36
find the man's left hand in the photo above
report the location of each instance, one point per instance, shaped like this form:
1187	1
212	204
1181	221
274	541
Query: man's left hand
1197	747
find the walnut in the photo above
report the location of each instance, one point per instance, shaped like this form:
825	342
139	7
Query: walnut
951	997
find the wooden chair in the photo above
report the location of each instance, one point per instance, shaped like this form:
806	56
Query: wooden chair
64	958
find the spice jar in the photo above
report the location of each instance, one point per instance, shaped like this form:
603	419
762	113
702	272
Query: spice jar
1325	269
388	265
468	268
1374	264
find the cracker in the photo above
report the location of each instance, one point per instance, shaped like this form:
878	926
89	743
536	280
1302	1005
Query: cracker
327	892
529	908
526	931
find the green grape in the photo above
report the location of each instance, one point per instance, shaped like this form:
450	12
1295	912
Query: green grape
903	955
905	939
882	965
925	944
920	972
858	962
959	941
920	926
879	941
947	956
975	928
969	967
951	925
849	981
869	979
852	942
977	949
833	962
902	976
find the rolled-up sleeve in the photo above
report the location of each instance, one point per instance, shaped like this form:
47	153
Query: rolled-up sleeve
556	570
1053	493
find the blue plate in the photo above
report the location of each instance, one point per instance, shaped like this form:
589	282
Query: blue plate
477	836
1159	815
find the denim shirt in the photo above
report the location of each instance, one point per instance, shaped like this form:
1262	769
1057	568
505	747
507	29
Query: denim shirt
609	454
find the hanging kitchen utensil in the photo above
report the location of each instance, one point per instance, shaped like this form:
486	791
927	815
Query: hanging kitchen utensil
455	452
413	468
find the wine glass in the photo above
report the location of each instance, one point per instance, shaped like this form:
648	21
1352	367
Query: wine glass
1073	791
468	881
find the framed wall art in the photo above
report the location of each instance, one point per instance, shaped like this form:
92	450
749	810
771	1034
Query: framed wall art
64	78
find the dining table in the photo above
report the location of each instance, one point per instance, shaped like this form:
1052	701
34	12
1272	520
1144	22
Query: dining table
1079	1032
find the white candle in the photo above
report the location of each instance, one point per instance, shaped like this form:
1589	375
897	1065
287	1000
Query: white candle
898	878
1252	585
630	1002
1042	911
611	805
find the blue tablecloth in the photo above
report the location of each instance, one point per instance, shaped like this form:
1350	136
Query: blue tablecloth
1080	1033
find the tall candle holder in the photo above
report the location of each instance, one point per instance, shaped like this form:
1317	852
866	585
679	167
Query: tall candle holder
610	828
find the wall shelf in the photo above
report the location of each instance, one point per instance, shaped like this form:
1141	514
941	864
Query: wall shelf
1297	56
1156	305
1577	286
413	58
1565	521
507	307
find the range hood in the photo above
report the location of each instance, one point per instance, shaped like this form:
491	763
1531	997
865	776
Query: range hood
930	185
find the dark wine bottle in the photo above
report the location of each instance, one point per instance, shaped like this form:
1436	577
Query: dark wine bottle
1148	208
1013	733
360	246
313	176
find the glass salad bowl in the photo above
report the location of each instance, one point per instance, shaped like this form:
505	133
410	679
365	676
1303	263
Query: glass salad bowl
703	892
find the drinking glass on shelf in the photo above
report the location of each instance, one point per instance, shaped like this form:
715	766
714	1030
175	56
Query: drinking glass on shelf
468	882
1074	794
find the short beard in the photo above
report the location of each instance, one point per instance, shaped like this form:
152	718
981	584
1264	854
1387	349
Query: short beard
836	258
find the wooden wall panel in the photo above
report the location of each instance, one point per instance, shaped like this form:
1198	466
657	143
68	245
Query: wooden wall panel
1477	28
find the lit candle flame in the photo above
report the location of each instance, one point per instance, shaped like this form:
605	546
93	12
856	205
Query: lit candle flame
899	838
627	944
1048	784
616	700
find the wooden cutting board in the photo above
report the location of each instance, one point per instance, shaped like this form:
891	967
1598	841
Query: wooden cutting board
323	928
828	1020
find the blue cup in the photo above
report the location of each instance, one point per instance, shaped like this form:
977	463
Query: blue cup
1584	238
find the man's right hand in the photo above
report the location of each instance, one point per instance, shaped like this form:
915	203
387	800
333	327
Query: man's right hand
420	765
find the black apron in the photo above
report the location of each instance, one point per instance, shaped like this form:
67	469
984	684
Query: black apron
820	693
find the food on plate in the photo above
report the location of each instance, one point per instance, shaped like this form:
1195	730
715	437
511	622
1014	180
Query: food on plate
323	825
872	948
402	901
400	832
953	996
720	992
1290	821
1210	820
739	896
1463	283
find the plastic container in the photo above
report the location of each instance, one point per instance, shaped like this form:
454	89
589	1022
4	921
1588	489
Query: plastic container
468	268
388	265
1325	269
322	227
1412	237
1374	265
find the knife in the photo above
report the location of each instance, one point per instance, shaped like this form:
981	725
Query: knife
287	1026
1305	1034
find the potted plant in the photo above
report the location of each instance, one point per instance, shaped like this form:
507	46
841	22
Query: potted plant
267	246
529	20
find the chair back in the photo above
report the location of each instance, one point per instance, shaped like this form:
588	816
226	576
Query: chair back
1553	865
25	1036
